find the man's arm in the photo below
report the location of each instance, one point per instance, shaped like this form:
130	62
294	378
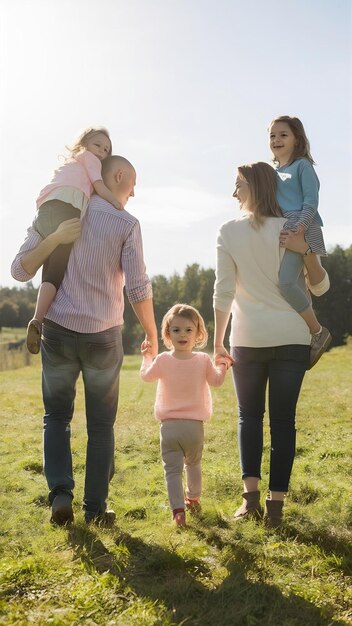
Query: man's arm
145	313
35	250
139	288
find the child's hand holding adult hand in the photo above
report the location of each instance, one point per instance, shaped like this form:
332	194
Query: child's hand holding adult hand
221	356
147	350
224	360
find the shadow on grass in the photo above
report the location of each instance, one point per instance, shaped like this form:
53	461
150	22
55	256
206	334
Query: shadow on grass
326	540
185	587
87	547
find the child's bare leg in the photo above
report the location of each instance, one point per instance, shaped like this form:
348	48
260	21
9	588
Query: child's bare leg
311	320
46	295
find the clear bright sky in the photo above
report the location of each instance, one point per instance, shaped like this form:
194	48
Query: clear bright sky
187	89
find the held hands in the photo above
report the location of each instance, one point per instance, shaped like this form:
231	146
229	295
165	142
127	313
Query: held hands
222	357
149	348
68	231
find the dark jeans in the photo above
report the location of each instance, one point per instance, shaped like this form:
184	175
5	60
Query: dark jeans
283	367
50	215
99	357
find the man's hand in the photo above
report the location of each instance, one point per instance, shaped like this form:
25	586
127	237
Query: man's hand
149	348
68	231
146	349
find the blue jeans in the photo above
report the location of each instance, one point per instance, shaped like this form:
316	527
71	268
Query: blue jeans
99	357
283	367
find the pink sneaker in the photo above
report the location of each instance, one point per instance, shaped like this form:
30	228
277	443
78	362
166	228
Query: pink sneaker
193	505
179	518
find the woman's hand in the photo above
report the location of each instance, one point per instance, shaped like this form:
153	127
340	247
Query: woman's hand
294	240
224	360
221	355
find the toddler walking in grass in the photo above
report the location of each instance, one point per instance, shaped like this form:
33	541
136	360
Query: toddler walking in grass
183	402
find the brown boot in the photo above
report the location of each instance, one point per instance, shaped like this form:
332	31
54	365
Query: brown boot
273	513
250	507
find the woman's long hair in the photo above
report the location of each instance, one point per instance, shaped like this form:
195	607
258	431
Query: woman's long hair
262	179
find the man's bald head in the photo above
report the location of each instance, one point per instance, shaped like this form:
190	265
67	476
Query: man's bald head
120	177
114	163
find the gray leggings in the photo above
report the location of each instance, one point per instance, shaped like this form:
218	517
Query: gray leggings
292	282
181	444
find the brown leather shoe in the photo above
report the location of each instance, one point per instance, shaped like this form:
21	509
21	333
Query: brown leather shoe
273	513
250	508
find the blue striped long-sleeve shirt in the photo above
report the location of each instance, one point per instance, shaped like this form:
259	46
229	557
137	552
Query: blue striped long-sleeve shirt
298	192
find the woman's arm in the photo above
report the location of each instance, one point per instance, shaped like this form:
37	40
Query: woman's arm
224	293
221	320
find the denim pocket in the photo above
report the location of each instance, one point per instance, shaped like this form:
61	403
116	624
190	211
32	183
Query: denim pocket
52	349
102	356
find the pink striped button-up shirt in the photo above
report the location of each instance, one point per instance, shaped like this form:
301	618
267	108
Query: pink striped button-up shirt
107	256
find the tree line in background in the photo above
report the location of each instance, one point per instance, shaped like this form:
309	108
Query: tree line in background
195	287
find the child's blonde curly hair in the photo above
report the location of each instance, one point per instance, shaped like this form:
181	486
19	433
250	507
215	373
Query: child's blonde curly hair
81	142
190	313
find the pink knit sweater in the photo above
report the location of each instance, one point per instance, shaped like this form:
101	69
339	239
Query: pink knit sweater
183	385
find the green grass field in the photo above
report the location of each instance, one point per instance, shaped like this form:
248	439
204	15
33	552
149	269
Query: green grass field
12	334
13	359
144	572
